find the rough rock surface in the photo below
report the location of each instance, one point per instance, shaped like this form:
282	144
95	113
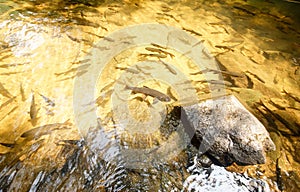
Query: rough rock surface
216	178
228	132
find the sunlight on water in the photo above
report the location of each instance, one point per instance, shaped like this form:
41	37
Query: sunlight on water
133	139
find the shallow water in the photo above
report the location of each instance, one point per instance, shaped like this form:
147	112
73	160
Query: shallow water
48	50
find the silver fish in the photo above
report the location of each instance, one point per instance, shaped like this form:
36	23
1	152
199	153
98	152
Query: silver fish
150	92
48	101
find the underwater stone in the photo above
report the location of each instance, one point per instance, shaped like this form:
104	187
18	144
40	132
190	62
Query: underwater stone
215	178
228	132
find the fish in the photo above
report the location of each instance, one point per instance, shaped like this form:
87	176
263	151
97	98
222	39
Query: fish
128	69
216	32
264	112
107	86
82	61
166	8
4	91
6	56
236	40
130	37
101	48
99	36
169	67
12	73
226	31
275	80
153	55
159	46
289	124
79	73
74	38
168	15
67	78
234	74
66	72
145	66
13	65
33	110
206	54
184	82
224	47
12	110
200	72
102	27
185	41
87	53
192	31
37	132
220	82
7	102
159	51
244	10
81	67
187	52
217	23
230	73
48	101
169	92
292	95
153	49
199	42
103	98
141	70
271	101
149	92
102	37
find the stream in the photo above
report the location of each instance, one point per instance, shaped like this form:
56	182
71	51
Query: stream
90	89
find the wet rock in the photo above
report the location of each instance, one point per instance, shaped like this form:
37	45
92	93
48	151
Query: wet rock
216	178
228	132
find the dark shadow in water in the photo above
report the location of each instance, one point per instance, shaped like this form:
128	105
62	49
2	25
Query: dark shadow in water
70	12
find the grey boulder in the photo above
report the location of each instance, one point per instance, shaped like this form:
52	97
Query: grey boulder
228	132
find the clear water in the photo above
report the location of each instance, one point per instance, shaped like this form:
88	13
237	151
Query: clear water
46	45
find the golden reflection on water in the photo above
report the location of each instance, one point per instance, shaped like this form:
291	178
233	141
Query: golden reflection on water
44	48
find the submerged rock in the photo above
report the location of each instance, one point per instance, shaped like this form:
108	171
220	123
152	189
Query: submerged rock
228	132
216	178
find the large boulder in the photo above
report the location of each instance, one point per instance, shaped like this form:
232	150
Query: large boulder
228	132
